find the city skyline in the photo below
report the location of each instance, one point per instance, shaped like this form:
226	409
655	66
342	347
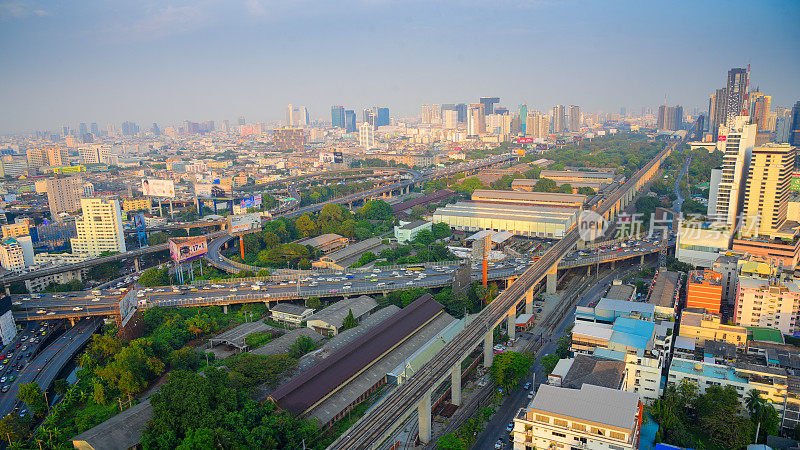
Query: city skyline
170	62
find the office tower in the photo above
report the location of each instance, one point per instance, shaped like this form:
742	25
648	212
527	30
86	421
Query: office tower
782	128
64	195
670	118
157	131
476	123
350	121
704	290
130	129
95	154
623	111
100	227
488	104
47	156
501	111
574	118
462	112
766	197
431	114
736	95
366	135
737	145
523	118
366	115
296	116
83	129
450	119
760	109
383	116
241	120
794	130
337	116
717	115
558	119
94	129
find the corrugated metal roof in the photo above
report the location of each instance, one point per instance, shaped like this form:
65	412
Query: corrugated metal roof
591	403
311	386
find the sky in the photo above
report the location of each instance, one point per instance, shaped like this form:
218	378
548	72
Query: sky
167	61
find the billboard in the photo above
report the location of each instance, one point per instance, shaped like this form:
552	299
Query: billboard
250	202
330	157
525	140
518	151
244	223
541	146
795	182
202	189
69	169
158	188
186	249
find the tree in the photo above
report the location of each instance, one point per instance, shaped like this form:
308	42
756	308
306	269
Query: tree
451	441
376	210
509	368
301	346
154	277
718	415
305	225
545	185
32	395
586	190
761	413
366	258
313	303
549	363
440	230
61	386
349	321
12	428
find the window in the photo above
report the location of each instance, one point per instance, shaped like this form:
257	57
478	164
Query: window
561	435
541	418
578	427
597	431
617	435
560	423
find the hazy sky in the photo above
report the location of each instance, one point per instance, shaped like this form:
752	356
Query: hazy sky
166	61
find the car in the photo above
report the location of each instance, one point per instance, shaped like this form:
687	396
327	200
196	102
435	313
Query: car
24	347
18	344
6	388
77	308
96	299
41	311
499	444
12	378
17	303
530	395
51	313
527	386
333	291
510	426
3	379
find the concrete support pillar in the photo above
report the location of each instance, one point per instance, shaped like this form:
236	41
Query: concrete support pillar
72	321
552	280
424	412
613	265
8	291
488	351
512	323
136	264
225	309
529	301
588	271
455	385
641	261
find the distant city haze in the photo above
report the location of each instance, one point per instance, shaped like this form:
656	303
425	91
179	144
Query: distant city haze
165	61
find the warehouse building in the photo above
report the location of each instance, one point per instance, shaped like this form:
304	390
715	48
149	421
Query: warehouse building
521	220
550	199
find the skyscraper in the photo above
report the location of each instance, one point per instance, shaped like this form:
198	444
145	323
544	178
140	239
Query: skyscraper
94	129
737	143
383	116
794	130
366	135
574	118
768	190
337	116
488	104
558	119
476	122
670	118
100	228
241	120
523	116
350	121
736	93
450	118
296	116
760	109
129	129
64	195
716	110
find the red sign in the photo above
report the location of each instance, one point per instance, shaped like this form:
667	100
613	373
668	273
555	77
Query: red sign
722	138
525	140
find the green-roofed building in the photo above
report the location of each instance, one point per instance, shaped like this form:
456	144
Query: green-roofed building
764	334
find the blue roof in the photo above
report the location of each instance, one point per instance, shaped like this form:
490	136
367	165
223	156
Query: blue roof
632	333
707	370
610	354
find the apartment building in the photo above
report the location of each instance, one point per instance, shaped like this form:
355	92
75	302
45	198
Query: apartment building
704	290
702	326
592	417
768	301
64	195
136	204
100	227
12	257
641	344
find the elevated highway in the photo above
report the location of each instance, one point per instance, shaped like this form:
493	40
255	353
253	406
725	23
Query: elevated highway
415	395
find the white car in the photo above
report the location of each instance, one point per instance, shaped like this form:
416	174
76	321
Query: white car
41	311
77	308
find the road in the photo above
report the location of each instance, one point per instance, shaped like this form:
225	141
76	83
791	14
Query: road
678	203
496	428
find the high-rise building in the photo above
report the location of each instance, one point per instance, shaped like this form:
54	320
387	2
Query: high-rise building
704	290
450	118
95	154
100	227
46	156
296	116
716	110
558	119
289	139
64	195
737	144
366	135
766	196
768	301
736	95
95	130
523	116
350	121
794	130
760	109
488	104
240	121
383	116
574	118
431	114
83	129
337	116
130	129
670	118
476	122
12	256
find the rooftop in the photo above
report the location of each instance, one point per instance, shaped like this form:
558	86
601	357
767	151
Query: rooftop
765	334
620	292
597	404
662	293
290	308
522	213
335	313
632	333
312	386
353	249
594	370
120	432
321	240
283	344
414	224
527	197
